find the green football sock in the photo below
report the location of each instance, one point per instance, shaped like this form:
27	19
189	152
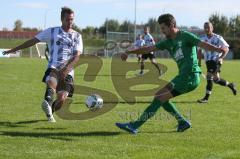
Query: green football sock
170	107
149	112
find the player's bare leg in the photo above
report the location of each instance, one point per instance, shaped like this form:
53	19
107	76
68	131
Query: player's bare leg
61	97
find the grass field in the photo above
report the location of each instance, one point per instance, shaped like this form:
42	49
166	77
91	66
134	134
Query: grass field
25	133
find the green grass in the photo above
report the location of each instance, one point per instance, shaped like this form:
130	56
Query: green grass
24	132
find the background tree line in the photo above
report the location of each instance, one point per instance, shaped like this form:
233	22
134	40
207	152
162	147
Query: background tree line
227	27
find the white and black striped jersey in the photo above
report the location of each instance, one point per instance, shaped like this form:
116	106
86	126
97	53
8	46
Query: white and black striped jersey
149	41
62	46
139	43
215	40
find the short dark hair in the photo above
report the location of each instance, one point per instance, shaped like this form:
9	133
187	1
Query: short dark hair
66	10
208	23
146	27
167	19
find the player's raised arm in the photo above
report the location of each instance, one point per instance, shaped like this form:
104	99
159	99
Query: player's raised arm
26	44
210	47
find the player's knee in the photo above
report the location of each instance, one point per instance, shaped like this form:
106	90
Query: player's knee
209	77
153	61
62	96
216	79
52	82
163	95
161	98
61	99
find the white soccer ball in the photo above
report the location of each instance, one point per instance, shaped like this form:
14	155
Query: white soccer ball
94	102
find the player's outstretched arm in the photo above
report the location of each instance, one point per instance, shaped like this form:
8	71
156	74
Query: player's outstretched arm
210	47
138	51
26	44
141	50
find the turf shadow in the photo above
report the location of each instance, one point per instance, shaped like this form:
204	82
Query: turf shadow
57	135
30	121
50	128
120	102
103	75
18	124
185	102
159	132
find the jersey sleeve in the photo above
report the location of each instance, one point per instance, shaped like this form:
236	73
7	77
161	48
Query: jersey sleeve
222	42
192	39
44	36
79	44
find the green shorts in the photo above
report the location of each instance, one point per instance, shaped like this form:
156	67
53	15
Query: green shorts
185	83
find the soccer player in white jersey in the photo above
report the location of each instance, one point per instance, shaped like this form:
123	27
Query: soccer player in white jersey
214	61
139	43
149	41
65	46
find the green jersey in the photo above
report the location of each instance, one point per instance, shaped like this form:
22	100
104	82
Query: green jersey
183	50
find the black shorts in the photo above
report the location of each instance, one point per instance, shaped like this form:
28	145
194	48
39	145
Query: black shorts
213	66
62	85
149	55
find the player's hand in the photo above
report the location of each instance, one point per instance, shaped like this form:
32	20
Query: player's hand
63	74
5	52
221	49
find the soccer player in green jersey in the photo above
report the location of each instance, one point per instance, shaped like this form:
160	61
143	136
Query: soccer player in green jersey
182	47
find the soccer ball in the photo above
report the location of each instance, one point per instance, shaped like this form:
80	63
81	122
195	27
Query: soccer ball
94	102
124	56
